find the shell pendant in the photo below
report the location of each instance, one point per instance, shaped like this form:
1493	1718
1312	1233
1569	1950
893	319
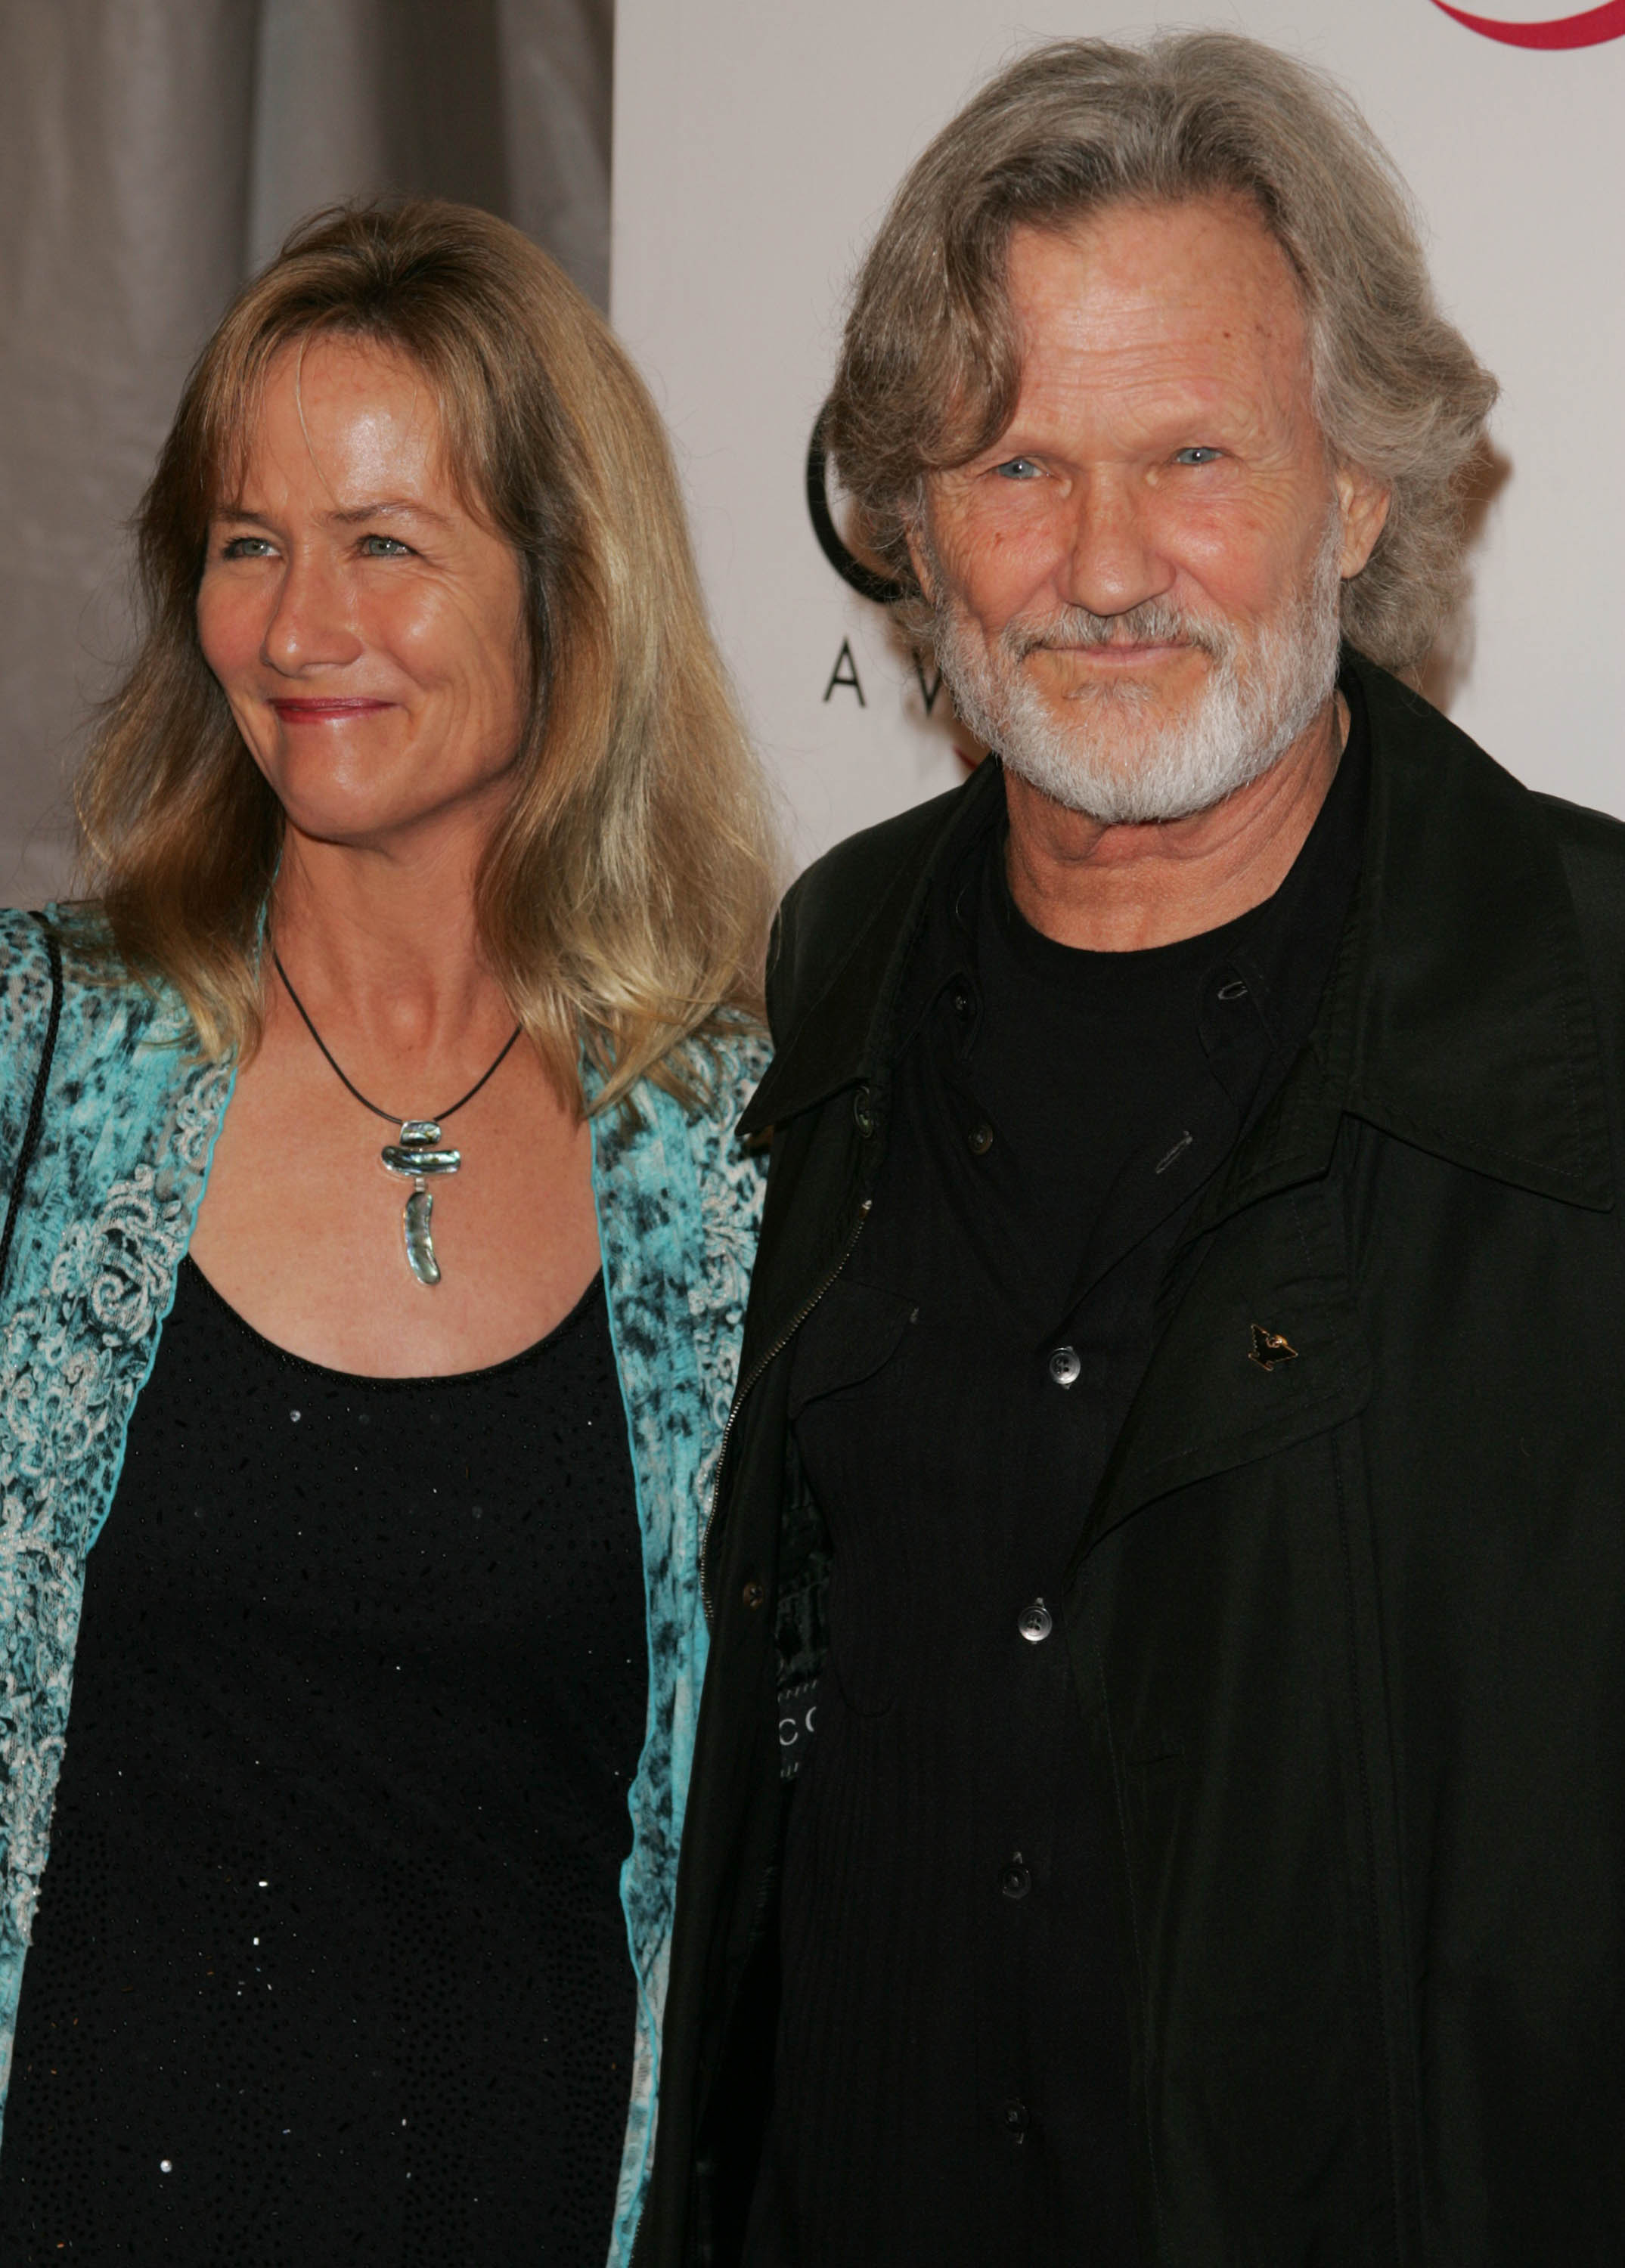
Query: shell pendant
416	1155
418	1223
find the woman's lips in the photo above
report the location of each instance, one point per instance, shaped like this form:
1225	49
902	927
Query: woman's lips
326	712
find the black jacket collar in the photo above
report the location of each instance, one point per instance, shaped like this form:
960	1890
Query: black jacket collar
1458	1017
847	1035
1471	1029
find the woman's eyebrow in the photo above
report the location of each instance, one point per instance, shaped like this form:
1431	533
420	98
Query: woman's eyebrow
387	508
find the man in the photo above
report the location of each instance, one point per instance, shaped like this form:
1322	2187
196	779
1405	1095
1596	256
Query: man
1171	1523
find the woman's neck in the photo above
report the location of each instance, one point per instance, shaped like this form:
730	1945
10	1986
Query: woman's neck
384	949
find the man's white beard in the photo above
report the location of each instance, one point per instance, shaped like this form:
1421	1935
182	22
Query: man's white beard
1108	753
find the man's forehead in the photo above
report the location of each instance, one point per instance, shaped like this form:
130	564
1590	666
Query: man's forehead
1198	251
1196	289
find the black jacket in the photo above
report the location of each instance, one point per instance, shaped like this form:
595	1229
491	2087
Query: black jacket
1348	1631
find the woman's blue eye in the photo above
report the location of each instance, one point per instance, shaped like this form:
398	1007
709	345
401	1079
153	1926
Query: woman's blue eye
1017	468
1198	455
384	546
247	547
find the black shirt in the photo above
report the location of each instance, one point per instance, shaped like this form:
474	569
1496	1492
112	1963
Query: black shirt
952	2078
329	1961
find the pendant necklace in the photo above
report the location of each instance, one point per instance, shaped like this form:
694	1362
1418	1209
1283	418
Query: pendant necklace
417	1154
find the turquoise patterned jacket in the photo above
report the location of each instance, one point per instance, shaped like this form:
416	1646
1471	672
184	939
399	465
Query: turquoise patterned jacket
118	1152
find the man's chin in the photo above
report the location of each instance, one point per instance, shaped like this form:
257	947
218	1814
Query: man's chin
1134	769
1113	736
1095	782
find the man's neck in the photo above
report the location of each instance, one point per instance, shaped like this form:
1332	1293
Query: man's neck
1121	889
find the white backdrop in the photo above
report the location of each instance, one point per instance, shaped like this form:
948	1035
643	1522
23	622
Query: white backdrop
756	148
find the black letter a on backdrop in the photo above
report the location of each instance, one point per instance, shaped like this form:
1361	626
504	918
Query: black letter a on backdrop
846	673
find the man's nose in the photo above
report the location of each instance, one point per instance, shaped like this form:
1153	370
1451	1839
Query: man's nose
310	626
1112	560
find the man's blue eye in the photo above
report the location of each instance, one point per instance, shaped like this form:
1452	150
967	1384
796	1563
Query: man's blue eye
1198	455
1017	468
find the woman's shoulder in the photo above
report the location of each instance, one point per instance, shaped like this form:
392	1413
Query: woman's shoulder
64	960
702	1088
727	1068
24	953
640	1141
70	946
65	991
729	1064
33	980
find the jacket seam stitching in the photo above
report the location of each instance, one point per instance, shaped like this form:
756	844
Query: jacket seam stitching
1574	1099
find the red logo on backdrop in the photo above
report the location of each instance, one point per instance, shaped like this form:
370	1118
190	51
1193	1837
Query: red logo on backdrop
1588	29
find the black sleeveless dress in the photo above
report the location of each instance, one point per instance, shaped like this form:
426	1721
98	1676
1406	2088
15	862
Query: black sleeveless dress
329	1963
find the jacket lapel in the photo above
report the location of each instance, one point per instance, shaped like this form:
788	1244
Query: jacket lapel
848	1032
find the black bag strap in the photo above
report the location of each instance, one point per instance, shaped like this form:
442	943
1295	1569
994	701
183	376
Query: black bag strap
36	1108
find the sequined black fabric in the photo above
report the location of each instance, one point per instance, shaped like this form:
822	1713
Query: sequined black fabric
329	1963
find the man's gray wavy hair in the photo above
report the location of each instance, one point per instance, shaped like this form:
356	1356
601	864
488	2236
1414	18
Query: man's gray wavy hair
929	370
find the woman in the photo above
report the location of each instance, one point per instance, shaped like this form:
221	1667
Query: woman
424	803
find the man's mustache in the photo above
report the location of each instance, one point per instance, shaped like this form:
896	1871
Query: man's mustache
1153	622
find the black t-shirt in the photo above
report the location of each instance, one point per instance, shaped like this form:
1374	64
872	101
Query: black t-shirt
952	2074
329	1961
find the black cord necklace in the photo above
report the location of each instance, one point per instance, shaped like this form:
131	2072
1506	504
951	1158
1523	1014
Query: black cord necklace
418	1153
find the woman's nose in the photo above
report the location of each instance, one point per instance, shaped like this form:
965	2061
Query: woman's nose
310	625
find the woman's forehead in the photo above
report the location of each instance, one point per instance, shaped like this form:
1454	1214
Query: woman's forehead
348	411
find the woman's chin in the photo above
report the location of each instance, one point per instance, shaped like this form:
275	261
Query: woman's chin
376	822
352	822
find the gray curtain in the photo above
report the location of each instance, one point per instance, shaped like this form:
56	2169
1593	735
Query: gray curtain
153	153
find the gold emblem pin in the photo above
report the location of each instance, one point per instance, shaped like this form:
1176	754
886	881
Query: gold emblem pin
1269	1347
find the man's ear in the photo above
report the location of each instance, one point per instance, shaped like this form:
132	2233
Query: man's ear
918	544
1362	503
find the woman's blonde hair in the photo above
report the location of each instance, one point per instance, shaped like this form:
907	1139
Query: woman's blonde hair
624	899
931	364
